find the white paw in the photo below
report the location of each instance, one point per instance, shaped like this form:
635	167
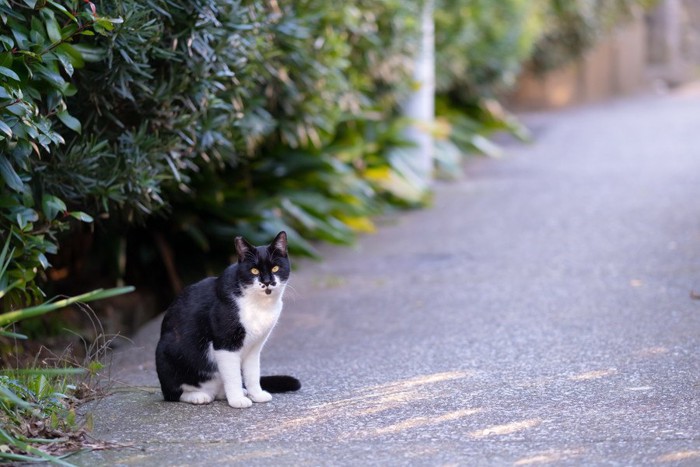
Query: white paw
196	398
262	396
241	402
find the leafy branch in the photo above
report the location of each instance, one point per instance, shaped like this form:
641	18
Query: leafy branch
38	58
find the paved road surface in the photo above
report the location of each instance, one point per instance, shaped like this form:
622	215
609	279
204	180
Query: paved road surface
540	313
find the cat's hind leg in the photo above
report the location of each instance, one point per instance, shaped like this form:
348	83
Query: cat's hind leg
205	393
196	397
220	391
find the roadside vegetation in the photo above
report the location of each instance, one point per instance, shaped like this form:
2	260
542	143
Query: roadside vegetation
138	137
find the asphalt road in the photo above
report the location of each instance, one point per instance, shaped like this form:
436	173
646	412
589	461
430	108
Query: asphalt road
540	313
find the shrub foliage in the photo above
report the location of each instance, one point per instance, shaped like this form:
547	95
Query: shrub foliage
205	118
41	47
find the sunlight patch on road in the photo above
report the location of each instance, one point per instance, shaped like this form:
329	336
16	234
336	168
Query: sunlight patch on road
389	395
372	400
679	456
595	374
550	457
253	455
652	351
506	429
416	422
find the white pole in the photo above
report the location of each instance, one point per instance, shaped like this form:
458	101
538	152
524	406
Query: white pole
420	107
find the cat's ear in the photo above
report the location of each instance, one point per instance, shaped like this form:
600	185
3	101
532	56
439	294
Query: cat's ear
279	244
243	248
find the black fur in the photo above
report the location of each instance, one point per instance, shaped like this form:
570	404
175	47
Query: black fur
206	313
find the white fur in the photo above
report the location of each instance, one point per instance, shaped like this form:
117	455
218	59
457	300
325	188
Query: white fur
204	394
258	313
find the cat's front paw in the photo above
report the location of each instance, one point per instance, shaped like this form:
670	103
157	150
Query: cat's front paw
241	402
262	396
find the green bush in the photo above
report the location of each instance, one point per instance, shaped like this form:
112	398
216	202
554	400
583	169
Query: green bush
41	45
243	117
38	402
482	44
314	161
200	112
480	48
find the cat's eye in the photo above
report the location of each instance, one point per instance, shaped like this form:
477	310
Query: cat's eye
275	268
255	271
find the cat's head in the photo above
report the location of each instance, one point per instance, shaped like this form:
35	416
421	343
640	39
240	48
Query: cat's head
265	269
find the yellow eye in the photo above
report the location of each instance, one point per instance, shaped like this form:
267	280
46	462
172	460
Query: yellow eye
275	268
254	271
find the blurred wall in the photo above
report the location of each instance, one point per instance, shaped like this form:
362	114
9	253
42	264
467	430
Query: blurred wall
660	48
674	41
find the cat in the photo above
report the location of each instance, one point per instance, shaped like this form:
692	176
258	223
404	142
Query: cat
212	334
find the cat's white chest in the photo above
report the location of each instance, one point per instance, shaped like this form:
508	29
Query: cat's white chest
258	316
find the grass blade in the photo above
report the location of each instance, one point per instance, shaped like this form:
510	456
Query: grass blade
31	450
30	312
8	395
12	335
45	371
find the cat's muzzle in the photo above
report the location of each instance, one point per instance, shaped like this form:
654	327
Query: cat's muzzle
267	287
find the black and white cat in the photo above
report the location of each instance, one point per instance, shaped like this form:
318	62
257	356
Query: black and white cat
212	334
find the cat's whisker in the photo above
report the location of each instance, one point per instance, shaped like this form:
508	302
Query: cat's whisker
292	289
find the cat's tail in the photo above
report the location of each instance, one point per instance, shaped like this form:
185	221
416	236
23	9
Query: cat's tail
280	383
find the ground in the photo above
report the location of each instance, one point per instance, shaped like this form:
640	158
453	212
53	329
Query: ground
542	311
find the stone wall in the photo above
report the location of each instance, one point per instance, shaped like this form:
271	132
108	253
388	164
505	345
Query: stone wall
617	65
674	41
660	48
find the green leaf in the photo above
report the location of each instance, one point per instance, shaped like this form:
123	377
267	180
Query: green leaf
20	109
5	259
52	206
25	217
70	52
28	448
53	30
95	366
90	53
9	175
70	90
8	395
9	73
37	33
7	41
6	59
52	76
43	261
69	121
63	10
81	216
105	23
21	37
30	3
5	128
